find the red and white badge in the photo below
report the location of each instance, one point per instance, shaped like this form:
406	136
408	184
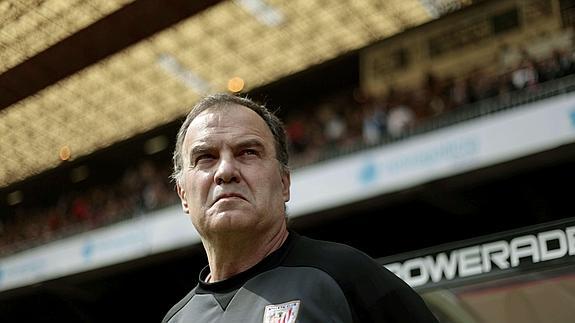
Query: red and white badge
281	313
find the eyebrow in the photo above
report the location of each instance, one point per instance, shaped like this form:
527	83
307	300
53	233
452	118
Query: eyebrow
250	143
199	149
242	144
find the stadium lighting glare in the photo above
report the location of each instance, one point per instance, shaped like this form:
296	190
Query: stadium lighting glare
65	153
236	84
188	77
262	11
436	8
156	80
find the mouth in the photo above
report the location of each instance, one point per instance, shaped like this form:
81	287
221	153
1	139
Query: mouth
229	196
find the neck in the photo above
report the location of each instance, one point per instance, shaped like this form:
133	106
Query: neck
237	253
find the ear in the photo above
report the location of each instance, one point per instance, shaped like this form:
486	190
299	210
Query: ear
285	175
182	195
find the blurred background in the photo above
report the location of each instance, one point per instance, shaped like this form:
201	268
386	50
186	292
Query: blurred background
436	136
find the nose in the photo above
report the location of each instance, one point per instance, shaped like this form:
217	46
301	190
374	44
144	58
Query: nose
226	171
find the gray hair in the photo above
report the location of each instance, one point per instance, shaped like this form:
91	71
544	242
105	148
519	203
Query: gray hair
221	100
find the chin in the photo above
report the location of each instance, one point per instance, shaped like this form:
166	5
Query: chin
233	221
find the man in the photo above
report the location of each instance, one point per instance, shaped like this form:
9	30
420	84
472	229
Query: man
231	173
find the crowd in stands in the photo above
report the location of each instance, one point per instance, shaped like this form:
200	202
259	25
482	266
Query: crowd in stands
343	120
142	188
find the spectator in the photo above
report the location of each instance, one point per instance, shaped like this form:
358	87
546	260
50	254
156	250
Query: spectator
525	76
400	117
374	122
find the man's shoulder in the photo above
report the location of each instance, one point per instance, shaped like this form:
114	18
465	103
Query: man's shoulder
339	260
176	308
375	293
329	251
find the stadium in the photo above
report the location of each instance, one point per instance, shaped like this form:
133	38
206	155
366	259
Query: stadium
438	137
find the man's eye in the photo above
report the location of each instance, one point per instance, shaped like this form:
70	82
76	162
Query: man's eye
205	157
249	152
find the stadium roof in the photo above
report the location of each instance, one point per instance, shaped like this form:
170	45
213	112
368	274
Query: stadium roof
80	75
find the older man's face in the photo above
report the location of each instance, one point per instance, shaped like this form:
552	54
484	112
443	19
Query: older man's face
231	179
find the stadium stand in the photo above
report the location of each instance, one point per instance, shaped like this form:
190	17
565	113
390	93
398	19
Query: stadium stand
341	124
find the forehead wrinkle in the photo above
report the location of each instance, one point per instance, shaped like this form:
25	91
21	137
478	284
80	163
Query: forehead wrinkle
236	120
241	117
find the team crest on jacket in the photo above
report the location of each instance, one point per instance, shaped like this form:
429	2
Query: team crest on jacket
281	313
